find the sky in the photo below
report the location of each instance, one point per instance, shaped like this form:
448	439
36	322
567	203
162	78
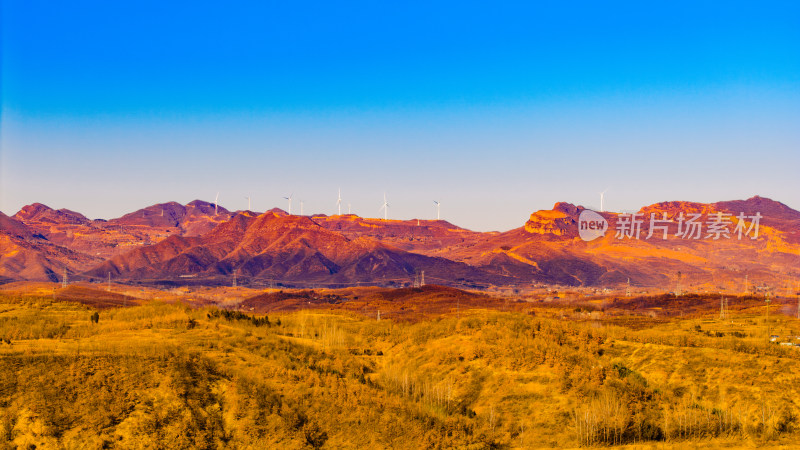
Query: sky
494	109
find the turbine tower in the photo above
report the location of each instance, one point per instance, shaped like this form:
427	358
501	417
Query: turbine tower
602	197
339	201
216	202
248	203
385	208
438	205
348	208
301	207
289	198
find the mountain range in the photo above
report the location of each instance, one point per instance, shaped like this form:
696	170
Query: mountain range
200	243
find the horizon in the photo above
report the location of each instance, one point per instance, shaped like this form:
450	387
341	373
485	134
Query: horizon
496	112
313	214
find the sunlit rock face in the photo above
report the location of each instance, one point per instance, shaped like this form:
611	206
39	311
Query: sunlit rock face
559	221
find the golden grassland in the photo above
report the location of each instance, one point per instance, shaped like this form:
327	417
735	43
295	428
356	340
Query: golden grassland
170	375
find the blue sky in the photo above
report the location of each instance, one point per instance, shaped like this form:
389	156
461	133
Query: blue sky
495	110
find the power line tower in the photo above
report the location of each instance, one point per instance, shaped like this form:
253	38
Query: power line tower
234	277
797	293
422	279
746	284
723	308
109	282
766	320
64	282
678	285
628	288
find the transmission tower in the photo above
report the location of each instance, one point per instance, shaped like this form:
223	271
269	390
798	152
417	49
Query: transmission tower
723	308
767	301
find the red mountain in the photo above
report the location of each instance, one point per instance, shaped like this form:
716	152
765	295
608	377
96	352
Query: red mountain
193	219
286	248
548	246
38	212
420	236
27	255
104	239
171	242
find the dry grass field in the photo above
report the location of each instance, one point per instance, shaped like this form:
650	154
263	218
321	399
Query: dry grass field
441	368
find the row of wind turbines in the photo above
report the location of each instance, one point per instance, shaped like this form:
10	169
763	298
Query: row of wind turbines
384	207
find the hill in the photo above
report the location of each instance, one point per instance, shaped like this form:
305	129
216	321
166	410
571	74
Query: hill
63	238
195	244
291	249
167	375
28	255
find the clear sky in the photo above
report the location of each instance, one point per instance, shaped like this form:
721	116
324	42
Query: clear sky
494	109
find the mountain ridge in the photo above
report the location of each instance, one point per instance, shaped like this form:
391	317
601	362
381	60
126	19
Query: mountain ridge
169	241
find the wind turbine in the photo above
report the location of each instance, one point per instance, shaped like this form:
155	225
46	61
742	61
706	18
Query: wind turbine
348	208
602	195
385	208
216	202
438	205
339	201
290	202
248	203
301	207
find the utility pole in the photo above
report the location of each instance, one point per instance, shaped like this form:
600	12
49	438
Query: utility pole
746	284
379	315
678	286
767	300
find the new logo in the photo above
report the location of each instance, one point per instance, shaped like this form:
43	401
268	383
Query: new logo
591	225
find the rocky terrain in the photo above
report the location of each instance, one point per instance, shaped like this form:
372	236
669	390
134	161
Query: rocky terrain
198	243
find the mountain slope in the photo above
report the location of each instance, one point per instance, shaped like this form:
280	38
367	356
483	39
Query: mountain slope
287	248
173	242
27	255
